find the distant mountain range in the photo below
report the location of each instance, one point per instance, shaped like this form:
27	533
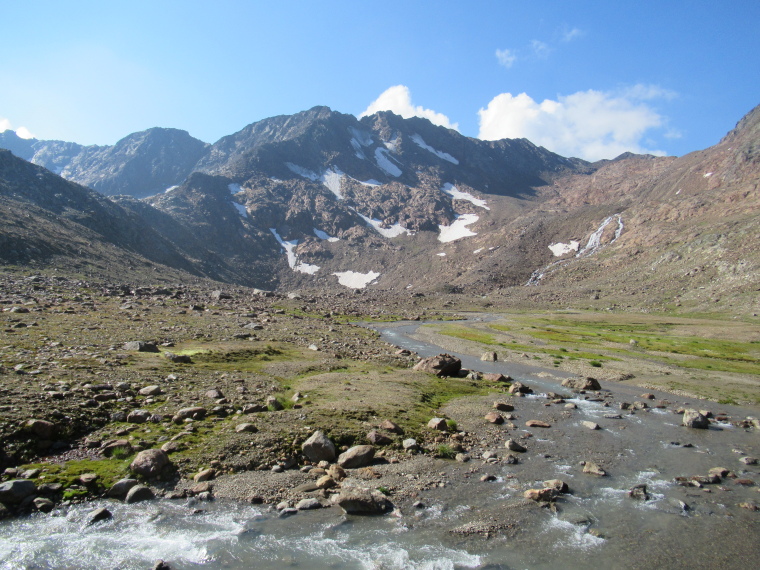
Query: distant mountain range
324	200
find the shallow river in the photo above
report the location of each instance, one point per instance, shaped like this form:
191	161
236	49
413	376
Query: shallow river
596	525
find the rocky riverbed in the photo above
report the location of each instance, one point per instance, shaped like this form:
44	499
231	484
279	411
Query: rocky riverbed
286	408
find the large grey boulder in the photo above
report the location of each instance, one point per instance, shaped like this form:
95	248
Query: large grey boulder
120	489
139	493
694	419
150	463
441	365
14	491
578	384
319	448
362	501
357	456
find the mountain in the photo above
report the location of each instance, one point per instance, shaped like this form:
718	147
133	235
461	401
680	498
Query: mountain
323	200
140	164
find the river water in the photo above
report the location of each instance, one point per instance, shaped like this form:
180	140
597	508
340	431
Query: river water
596	525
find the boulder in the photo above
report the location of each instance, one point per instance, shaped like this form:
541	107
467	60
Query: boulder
204	475
273	404
178	358
693	419
319	448
150	463
489	357
558	485
308	504
43	505
116	446
590	425
512	445
41	428
246	428
410	444
141	346
537	423
540	495
336	472
639	492
138	416
150	391
519	388
377	438
578	384
593	469
325	482
390	426
138	494
14	491
437	423
101	514
214	394
496	377
195	413
494	418
503	407
357	456
362	501
120	489
441	365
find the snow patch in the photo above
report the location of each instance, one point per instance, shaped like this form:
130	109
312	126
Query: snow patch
332	178
290	246
392	145
169	189
241	209
452	191
301	171
234	188
707	174
355	280
361	137
560	249
385	164
442	254
443	155
458	229
478	250
391	232
323	235
370	182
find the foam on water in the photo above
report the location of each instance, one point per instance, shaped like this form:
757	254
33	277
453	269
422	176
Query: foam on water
569	535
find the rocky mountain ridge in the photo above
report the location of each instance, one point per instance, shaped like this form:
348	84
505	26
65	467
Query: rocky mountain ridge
323	200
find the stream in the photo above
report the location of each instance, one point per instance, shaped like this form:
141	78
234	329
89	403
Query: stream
469	524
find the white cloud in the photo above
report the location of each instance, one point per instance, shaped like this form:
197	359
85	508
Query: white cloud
506	57
23	132
399	100
587	124
540	49
570	35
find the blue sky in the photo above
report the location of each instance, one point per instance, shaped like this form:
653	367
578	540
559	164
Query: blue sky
588	79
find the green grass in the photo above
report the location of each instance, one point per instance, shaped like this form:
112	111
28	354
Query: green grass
108	470
445	451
